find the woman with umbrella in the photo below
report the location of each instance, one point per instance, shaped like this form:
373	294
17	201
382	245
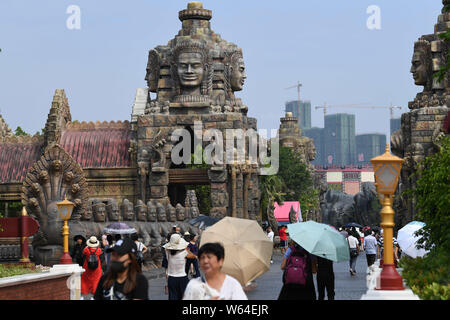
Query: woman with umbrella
297	285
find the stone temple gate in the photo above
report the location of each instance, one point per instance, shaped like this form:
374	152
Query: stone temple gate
125	170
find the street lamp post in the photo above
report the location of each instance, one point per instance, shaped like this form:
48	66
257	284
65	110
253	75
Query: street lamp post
387	171
65	209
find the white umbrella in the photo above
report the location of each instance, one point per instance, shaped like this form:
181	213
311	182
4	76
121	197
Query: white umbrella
408	241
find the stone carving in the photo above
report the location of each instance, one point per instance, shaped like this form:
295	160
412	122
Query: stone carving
112	209
192	72
422	127
127	210
340	208
52	177
5	131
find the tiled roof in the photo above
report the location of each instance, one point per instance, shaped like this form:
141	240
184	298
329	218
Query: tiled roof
16	159
98	145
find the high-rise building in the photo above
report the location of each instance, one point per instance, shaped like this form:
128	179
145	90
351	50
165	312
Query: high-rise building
317	135
301	111
339	138
369	146
396	124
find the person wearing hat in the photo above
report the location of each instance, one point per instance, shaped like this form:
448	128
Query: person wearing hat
91	276
77	250
176	253
124	279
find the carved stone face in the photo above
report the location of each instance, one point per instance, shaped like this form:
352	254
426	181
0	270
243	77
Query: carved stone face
151	212
129	213
113	212
180	212
171	214
142	213
56	165
238	75
161	212
190	69
87	214
99	213
419	68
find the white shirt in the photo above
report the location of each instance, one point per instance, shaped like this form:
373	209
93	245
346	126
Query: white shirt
176	264
270	235
199	290
352	242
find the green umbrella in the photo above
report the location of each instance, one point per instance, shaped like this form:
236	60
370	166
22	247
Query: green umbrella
320	239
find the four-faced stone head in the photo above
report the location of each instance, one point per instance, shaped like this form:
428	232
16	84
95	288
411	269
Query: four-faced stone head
238	75
190	68
421	62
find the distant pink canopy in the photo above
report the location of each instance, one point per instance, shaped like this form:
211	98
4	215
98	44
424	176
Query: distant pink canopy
282	212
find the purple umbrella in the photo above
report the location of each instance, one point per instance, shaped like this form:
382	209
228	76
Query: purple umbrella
119	228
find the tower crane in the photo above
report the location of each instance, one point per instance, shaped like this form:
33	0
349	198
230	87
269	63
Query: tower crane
391	107
298	89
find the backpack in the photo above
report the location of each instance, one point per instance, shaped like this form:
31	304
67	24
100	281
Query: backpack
92	260
296	267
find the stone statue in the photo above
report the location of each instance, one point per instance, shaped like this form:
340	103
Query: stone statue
165	227
141	224
191	69
54	176
152	226
127	210
112	209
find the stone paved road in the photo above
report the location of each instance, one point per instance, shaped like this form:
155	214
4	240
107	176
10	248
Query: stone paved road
347	287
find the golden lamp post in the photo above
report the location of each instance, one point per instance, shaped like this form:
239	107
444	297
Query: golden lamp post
387	171
65	209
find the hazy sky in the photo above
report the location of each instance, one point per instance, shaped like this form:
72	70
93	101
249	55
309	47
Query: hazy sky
325	45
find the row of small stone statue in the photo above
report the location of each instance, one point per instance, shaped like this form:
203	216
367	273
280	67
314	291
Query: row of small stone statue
152	212
153	222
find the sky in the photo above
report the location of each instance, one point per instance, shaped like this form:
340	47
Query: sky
326	45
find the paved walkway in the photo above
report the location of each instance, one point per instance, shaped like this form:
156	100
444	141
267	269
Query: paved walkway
268	287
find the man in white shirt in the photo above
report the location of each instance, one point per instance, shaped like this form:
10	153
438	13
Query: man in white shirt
370	247
354	252
270	234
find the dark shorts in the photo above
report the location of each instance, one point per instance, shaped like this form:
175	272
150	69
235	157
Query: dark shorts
283	244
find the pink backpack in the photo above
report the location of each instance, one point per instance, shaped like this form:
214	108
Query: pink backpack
296	272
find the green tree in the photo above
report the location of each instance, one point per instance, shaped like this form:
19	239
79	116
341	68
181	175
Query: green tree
271	188
20	132
429	276
203	192
298	181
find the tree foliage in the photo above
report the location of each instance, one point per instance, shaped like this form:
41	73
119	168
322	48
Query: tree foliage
429	276
20	132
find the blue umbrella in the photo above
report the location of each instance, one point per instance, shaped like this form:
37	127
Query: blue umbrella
203	222
119	228
320	239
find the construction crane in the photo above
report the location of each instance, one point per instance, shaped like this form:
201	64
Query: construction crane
391	107
298	89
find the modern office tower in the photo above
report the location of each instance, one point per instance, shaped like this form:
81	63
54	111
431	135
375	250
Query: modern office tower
317	135
301	111
339	139
396	124
369	146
